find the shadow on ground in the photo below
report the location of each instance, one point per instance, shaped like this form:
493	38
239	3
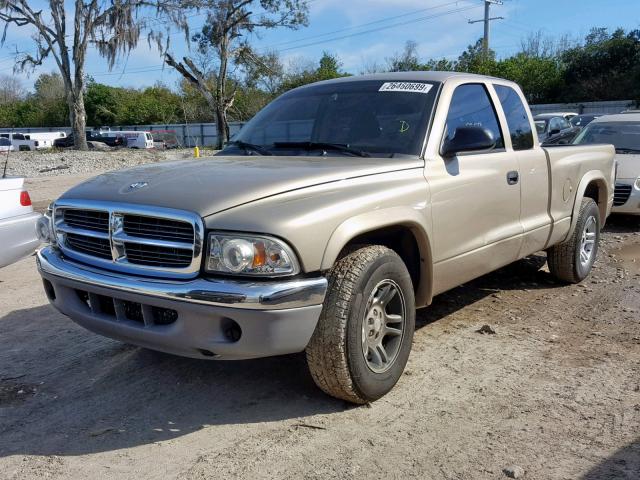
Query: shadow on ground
66	391
622	465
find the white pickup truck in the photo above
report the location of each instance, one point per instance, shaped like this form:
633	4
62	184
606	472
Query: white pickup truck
336	212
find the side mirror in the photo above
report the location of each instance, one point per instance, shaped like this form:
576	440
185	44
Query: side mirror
468	139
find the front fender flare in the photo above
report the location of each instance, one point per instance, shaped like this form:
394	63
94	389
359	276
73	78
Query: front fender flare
407	217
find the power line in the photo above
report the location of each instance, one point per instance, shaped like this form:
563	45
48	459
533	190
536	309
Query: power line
385	27
152	68
355	27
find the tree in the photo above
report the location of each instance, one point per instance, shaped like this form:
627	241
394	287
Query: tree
112	27
540	77
328	68
475	60
407	61
606	67
11	89
223	44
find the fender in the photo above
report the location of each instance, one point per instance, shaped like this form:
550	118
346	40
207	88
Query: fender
605	197
408	217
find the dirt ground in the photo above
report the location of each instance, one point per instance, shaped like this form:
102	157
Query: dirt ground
555	391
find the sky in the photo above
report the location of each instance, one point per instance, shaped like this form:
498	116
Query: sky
363	32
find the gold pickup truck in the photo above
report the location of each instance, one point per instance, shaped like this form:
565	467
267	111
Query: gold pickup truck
336	212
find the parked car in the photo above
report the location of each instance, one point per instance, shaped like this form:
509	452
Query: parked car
584	120
623	131
133	139
370	196
6	145
565	115
92	136
22	141
564	138
17	222
549	125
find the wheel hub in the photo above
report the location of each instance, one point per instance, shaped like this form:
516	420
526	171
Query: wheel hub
588	241
383	326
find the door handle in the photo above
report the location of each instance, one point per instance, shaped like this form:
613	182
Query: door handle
513	177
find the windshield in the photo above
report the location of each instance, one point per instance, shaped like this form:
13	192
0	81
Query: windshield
375	118
540	126
623	135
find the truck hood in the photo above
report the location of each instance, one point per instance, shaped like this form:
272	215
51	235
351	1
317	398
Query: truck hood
628	166
211	185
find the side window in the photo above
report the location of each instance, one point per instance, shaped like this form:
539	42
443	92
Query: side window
471	106
18	136
517	118
555	124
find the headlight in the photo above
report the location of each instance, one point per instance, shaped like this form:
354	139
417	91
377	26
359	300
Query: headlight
44	227
638	183
250	255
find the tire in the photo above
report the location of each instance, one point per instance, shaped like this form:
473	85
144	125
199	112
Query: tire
347	327
569	261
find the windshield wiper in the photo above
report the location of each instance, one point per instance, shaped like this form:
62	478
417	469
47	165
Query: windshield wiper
250	147
627	150
338	147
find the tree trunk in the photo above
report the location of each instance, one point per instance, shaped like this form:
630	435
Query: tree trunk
78	118
222	127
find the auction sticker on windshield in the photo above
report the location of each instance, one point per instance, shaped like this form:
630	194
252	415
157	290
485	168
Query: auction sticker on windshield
406	87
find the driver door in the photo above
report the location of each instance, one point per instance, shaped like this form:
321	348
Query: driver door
475	196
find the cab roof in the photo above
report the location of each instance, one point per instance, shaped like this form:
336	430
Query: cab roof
429	76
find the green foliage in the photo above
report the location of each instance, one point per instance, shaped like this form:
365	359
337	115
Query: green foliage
606	67
328	68
540	78
475	60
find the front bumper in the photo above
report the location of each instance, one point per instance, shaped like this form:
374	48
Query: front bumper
632	204
200	318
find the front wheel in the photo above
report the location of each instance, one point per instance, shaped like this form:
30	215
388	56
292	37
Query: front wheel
363	338
572	260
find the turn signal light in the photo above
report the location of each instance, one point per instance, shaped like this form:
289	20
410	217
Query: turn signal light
25	199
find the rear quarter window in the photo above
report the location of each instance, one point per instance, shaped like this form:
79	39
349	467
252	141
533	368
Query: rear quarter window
517	118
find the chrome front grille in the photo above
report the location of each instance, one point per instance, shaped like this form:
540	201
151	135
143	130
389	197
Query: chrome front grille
157	256
130	238
98	247
87	220
621	194
159	228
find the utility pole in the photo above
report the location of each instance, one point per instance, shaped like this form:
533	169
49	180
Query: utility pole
487	20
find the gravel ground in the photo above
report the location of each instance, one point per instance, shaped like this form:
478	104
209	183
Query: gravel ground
553	394
73	162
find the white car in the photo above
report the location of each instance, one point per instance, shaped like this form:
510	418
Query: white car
623	131
565	115
18	222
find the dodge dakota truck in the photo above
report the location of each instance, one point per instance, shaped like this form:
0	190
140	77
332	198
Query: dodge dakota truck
334	214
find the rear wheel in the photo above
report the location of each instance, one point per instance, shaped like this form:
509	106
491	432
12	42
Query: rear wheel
572	260
363	338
